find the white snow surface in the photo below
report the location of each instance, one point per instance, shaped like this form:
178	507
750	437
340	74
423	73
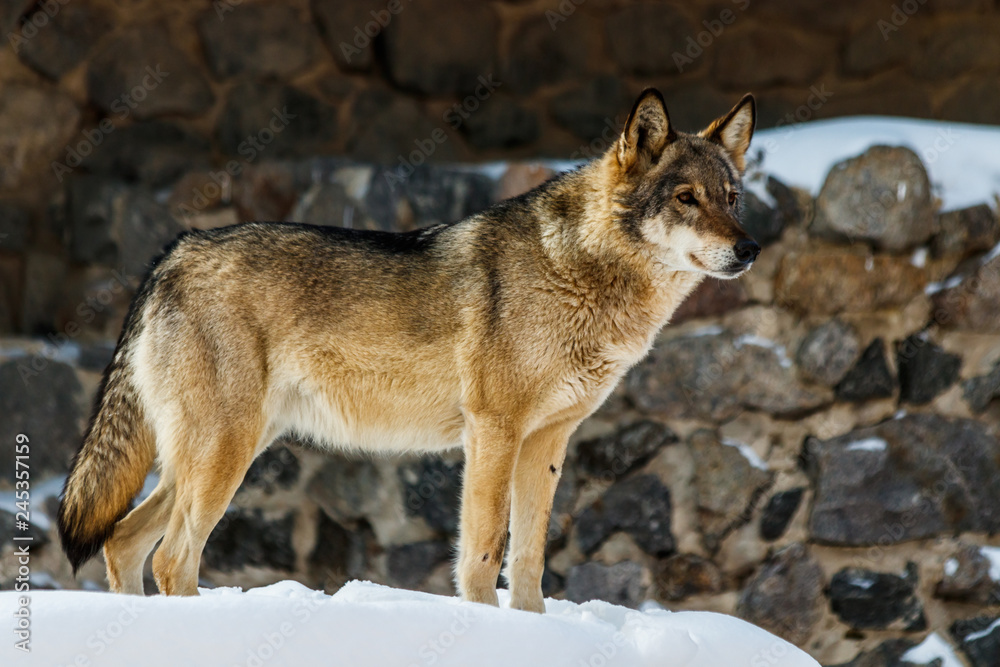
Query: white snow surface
932	647
992	554
960	157
868	445
366	625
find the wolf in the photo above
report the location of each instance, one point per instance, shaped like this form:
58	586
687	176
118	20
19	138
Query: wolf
498	334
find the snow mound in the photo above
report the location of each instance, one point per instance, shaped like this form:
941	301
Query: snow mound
367	625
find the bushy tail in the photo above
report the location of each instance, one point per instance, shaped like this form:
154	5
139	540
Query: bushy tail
110	468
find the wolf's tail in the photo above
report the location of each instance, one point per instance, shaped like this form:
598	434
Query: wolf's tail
111	466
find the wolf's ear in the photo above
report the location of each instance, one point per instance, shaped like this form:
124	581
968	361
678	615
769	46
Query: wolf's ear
647	132
734	130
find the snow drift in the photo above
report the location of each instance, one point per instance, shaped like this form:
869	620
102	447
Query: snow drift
374	626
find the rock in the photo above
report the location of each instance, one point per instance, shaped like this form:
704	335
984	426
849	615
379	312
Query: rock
273	120
65	40
975	101
590	110
778	512
904	479
501	123
264	192
552	583
152	152
870	378
432	489
763	223
716	375
434	195
257	39
727	486
44	282
328	204
11	12
563	504
882	196
969	304
140	73
979	391
628	448
276	468
339	554
9	527
409	564
645	37
956	47
887	654
759	56
389	129
966	231
621	583
683	575
40	398
245	538
830	281
979	639
442	48
347	30
522	177
782	596
14	221
967	578
640	506
869	52
828	352
711	298
346	488
140	230
36	124
925	370
867	600
539	55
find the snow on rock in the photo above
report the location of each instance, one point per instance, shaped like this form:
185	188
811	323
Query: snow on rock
868	445
748	452
959	157
932	648
366	624
992	554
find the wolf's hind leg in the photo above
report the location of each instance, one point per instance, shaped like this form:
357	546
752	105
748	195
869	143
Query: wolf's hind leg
539	465
135	536
207	479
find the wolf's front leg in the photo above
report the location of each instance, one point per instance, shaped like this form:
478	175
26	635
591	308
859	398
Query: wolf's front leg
539	466
490	453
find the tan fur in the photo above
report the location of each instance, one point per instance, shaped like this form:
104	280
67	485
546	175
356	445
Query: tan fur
498	334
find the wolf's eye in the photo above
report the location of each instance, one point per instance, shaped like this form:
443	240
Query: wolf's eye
686	198
733	198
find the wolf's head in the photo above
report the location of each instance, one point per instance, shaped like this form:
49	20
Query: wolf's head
680	194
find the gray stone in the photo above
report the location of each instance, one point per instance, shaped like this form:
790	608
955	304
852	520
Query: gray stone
501	123
628	448
763	223
683	575
339	554
36	125
141	73
716	376
65	38
955	47
979	639
440	48
432	489
828	352
246	538
432	195
778	512
346	488
41	398
44	285
621	583
971	304
727	486
711	298
644	38
763	55
979	391
640	506
591	109
9	528
409	564
869	52
141	229
782	597
152	152
328	204
389	129
540	55
276	468
248	126
887	654
14	221
966	231
868	379
925	370
257	39
92	202
347	29
904	479
969	579
867	600
11	12
975	101
882	196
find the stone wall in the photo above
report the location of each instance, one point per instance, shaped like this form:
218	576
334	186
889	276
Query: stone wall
813	447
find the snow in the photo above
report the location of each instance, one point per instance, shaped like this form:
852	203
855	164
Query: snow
748	453
919	257
982	633
931	648
868	445
760	341
950	567
992	554
960	158
366	624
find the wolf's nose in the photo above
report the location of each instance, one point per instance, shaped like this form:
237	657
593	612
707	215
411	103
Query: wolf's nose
746	250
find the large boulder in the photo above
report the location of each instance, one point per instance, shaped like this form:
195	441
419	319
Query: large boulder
882	196
640	506
867	600
783	596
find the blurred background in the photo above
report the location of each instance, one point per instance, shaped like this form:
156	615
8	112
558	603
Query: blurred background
812	447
